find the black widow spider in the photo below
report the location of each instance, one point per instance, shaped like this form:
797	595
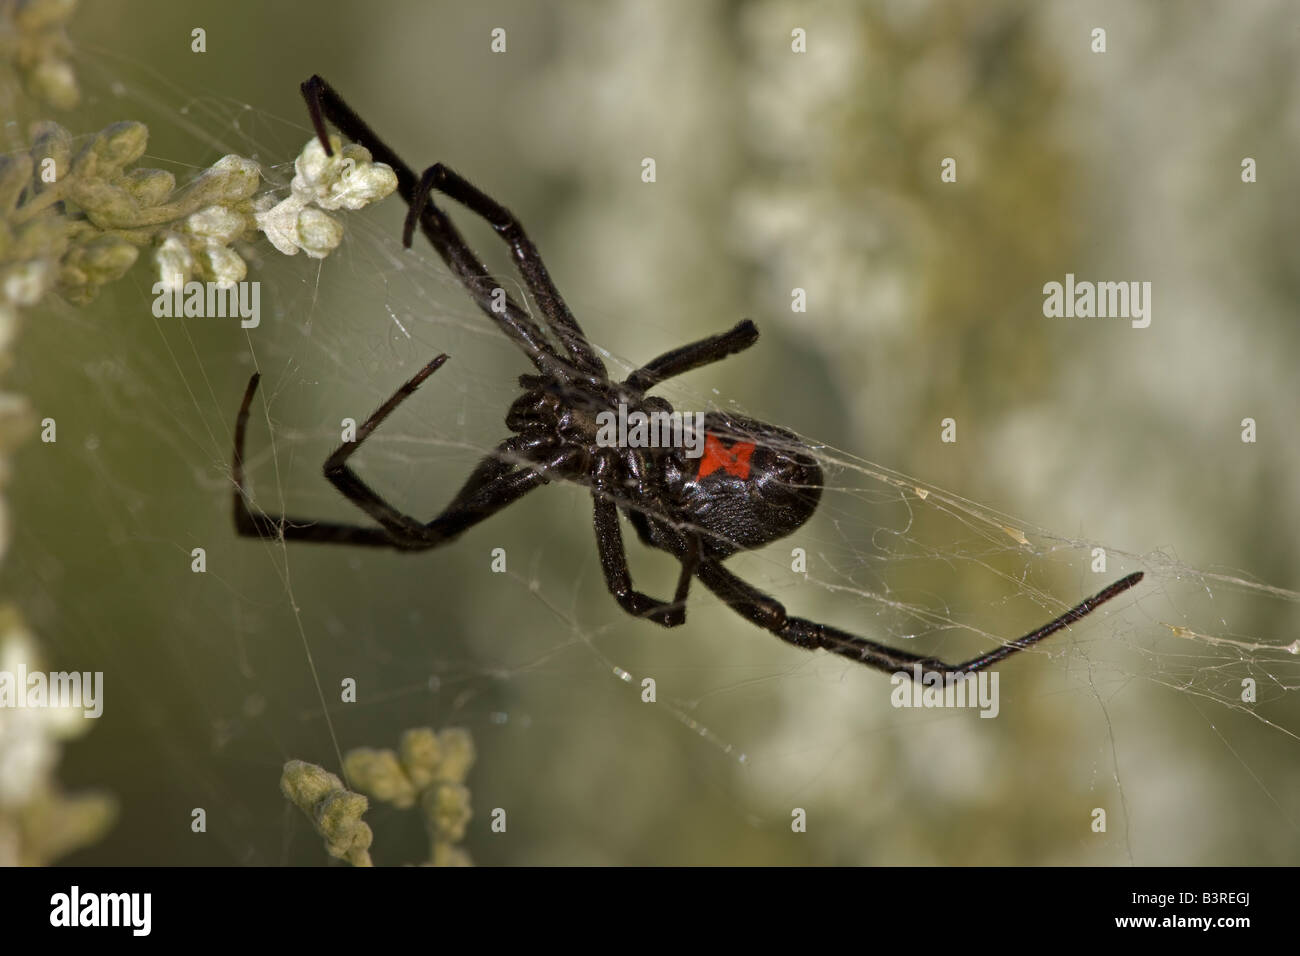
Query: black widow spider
754	483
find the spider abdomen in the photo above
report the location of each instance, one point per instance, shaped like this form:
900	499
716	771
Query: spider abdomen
753	484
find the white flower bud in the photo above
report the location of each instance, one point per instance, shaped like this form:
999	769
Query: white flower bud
457	754
378	773
238	177
55	82
149	187
318	234
26	282
121	144
222	265
218	224
175	264
306	784
447	812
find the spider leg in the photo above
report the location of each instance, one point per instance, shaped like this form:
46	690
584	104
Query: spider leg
252	523
492	486
768	613
695	355
527	259
357	491
613	561
324	103
613	555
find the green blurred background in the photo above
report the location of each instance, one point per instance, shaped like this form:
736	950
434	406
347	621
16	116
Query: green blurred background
775	170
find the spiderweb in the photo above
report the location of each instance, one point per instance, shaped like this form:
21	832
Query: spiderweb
215	679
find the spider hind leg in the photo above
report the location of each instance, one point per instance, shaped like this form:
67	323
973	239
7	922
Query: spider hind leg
768	613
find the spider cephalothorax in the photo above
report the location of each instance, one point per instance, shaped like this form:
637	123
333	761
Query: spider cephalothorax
741	485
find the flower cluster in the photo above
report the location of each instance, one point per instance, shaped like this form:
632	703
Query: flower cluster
346	180
71	222
334	810
428	769
36	43
74	216
39	822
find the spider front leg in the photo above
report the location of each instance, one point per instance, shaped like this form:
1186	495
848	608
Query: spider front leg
357	491
254	523
492	486
687	358
768	613
527	259
323	102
